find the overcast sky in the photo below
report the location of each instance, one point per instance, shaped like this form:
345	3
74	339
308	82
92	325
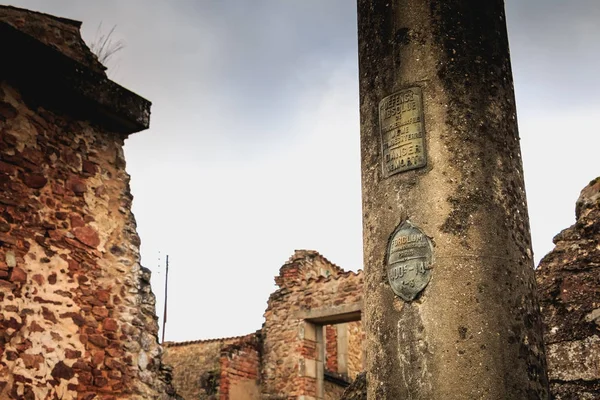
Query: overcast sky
253	149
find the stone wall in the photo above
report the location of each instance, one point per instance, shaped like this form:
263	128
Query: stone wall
356	349
60	34
77	313
310	287
197	366
77	308
569	284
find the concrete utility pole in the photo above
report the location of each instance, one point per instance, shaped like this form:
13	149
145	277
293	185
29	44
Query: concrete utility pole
450	307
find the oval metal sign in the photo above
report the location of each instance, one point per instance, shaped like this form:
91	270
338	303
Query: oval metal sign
409	260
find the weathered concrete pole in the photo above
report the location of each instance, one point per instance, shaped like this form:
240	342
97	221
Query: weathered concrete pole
450	308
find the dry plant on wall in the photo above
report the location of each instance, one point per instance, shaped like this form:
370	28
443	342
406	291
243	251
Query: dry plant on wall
105	46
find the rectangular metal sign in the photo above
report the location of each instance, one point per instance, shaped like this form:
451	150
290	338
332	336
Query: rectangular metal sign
402	131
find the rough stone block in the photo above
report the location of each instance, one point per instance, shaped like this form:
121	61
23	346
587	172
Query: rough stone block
576	360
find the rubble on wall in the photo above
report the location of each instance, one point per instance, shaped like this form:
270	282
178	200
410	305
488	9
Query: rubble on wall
77	316
569	285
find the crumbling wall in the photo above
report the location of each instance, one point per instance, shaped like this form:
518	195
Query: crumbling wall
304	265
196	366
77	310
569	284
307	282
273	362
77	314
240	369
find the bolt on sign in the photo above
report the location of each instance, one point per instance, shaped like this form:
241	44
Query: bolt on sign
402	131
409	260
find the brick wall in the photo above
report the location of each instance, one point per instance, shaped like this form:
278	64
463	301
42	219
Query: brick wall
331	348
76	311
240	369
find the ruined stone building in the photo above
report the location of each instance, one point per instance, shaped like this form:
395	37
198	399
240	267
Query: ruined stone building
310	345
282	360
77	317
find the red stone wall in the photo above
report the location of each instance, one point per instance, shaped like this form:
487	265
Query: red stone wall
77	314
240	370
331	348
307	282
